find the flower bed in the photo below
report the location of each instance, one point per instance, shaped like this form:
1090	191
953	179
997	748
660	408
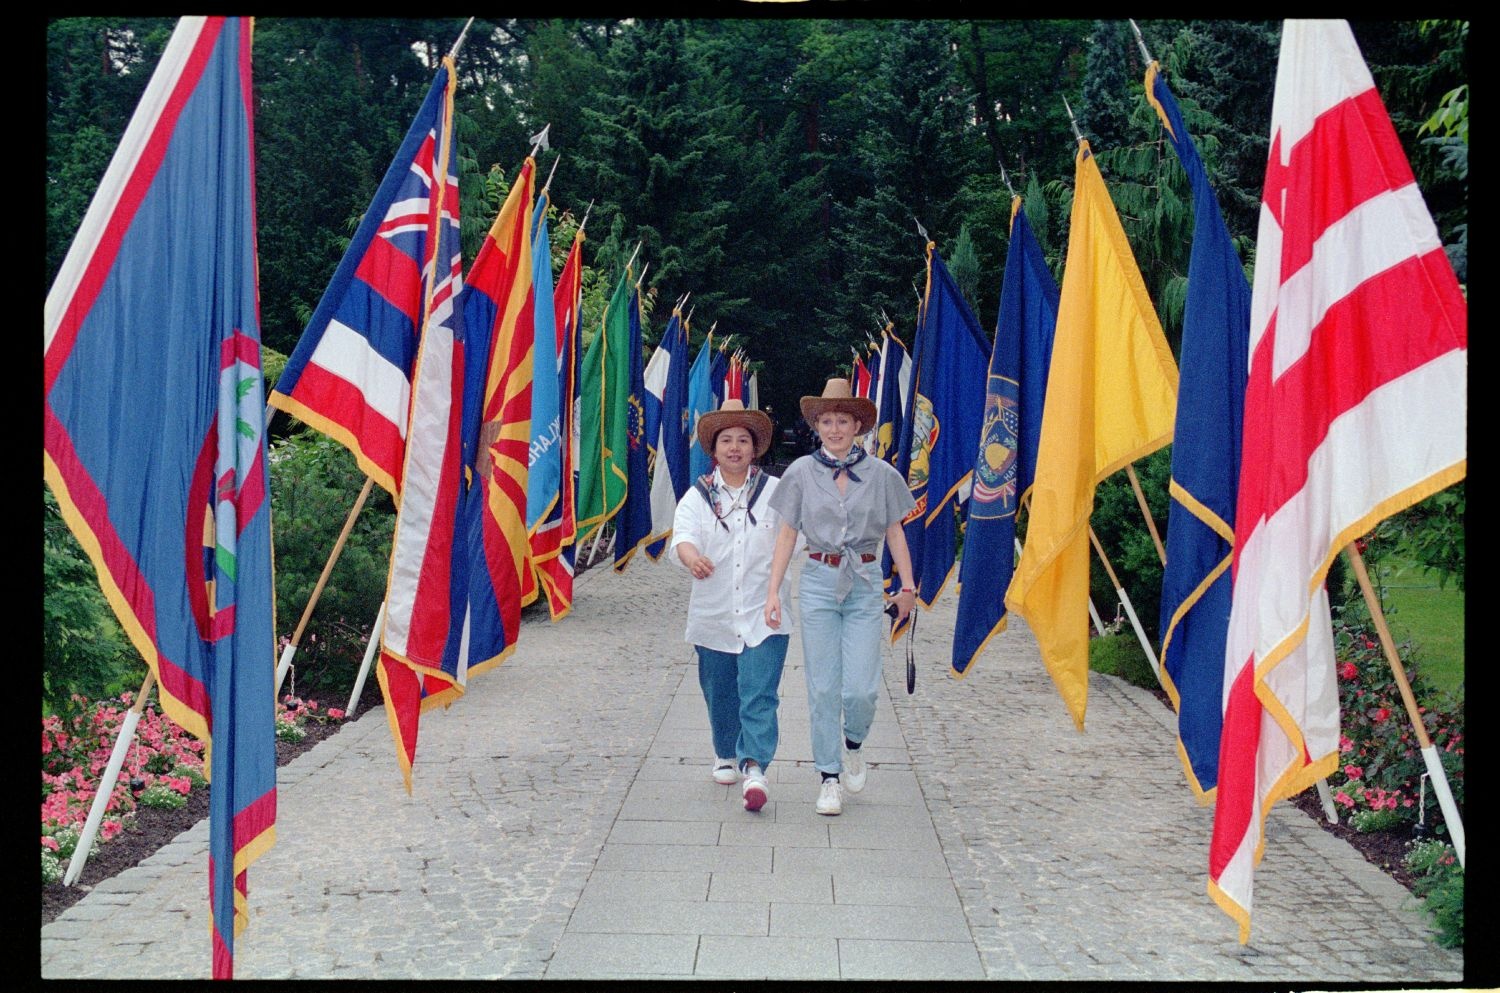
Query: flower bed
163	765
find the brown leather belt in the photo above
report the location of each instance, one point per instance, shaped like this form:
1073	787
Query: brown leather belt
833	558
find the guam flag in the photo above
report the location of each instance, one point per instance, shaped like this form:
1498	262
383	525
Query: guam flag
1205	466
1006	461
154	429
350	375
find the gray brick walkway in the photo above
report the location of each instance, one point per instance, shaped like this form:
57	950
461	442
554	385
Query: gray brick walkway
563	825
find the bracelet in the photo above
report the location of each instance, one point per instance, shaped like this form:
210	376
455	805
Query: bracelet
908	589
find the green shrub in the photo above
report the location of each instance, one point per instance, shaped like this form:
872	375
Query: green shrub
52	869
162	797
1440	882
1365	821
67	841
287	731
1121	655
192	774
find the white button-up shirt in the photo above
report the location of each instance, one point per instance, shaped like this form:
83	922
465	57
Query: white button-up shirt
726	611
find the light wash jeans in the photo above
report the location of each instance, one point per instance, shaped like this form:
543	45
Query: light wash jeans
841	655
741	693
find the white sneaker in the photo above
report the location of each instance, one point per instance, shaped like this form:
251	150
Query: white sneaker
725	773
754	788
830	798
854	770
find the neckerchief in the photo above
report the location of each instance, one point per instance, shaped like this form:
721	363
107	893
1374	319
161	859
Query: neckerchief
846	464
712	491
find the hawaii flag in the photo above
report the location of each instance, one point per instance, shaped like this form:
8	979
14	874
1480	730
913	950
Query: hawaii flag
154	429
1355	408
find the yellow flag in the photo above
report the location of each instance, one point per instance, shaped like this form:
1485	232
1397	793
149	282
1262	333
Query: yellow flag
1111	398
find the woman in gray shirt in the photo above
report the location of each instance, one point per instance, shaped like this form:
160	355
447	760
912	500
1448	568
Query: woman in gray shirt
844	503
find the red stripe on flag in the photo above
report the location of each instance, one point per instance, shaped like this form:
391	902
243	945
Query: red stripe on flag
1351	155
239	347
388	271
1376	334
1239	744
253	821
430	621
102	260
376	437
123	571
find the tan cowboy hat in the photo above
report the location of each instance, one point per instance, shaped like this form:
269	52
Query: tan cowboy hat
837	396
732	414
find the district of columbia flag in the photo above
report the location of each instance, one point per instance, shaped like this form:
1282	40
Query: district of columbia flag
1005	463
552	548
1205	465
1355	408
1111	396
350	375
154	429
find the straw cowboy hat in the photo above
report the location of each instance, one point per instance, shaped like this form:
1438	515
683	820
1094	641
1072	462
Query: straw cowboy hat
732	414
838	397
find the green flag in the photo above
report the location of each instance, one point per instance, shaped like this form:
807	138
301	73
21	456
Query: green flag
603	415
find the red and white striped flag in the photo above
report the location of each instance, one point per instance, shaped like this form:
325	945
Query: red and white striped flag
1355	409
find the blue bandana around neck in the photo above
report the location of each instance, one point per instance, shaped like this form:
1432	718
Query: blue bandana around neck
846	464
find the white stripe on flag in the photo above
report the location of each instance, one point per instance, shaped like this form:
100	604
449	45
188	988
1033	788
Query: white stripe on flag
345	353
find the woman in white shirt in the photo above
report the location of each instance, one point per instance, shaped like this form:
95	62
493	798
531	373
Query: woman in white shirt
723	533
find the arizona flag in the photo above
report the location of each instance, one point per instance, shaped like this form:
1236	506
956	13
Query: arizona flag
154	428
552	548
350	375
1205	465
1111	396
1355	408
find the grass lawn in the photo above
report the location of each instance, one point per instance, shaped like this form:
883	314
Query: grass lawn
1431	618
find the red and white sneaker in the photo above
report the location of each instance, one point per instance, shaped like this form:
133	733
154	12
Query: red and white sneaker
754	788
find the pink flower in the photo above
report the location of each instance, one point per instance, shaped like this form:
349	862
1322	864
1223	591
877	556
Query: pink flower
1345	745
109	829
1382	714
1348	671
335	713
1344	798
1353	772
49	842
312	705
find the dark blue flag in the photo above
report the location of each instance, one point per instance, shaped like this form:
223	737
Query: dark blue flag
633	525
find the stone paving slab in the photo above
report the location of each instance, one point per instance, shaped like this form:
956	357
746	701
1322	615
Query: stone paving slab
562	824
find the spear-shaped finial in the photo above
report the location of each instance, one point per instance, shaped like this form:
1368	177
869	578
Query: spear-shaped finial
634	253
1140	41
586	215
885	318
1072	120
689	318
642	275
1004	178
539	140
920	230
453	52
548	184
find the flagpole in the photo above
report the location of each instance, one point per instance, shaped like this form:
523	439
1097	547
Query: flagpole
1140	41
285	662
1140	498
111	776
453	52
1129	607
548	184
587	210
1093	611
634	253
1429	751
364	666
642	275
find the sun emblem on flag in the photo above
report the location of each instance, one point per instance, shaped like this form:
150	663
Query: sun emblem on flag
995	469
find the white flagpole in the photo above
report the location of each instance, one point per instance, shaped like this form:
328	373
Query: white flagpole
107	783
364	667
1129	608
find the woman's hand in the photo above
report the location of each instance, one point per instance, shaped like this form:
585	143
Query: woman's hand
701	567
905	601
773	610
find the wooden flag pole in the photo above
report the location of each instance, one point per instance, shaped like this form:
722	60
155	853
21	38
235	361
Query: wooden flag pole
107	784
1129	608
1429	751
285	662
1140	498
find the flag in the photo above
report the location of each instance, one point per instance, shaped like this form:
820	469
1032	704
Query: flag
1205	465
552	547
872	365
718	374
753	402
154	429
603	430
1006	461
1111	394
544	465
633	528
859	376
669	478
700	402
947	412
1355	408
350	374
894	388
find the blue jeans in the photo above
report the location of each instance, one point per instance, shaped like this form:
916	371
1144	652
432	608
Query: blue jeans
741	693
841	653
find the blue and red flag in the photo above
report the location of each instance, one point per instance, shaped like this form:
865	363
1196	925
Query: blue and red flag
350	375
154	428
669	480
1195	586
1006	461
552	546
700	401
